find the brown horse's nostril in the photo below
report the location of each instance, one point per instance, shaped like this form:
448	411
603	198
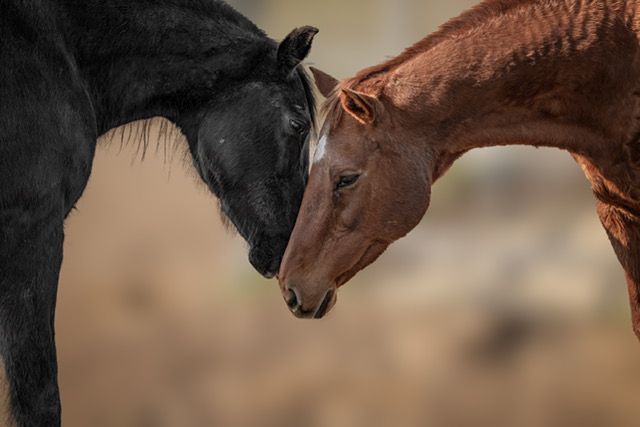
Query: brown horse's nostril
292	300
295	303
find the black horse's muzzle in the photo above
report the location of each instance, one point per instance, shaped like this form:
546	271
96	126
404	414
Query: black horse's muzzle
266	258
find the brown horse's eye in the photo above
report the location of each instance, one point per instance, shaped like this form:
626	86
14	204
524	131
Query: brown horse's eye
346	181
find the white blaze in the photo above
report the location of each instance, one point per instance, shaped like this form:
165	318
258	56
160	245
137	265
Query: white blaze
320	149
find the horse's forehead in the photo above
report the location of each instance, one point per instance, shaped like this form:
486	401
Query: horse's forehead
342	144
326	144
321	148
266	89
278	96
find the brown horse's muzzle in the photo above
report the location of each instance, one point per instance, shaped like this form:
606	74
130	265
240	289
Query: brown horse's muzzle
307	302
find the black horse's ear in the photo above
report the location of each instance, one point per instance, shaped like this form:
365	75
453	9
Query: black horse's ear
324	82
295	47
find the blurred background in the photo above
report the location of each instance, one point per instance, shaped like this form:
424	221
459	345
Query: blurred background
504	307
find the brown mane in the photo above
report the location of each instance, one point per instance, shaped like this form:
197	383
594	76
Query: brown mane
464	23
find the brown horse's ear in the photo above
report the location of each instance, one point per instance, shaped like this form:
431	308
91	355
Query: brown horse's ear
363	107
295	47
325	83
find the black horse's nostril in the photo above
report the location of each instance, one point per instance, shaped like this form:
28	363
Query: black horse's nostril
292	300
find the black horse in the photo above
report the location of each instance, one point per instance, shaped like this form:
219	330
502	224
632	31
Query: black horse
70	70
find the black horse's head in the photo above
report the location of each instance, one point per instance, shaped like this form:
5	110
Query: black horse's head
251	148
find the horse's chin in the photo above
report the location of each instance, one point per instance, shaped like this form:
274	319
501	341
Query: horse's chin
369	255
269	275
267	269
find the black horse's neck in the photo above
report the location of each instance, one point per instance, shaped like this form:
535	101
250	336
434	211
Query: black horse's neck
144	58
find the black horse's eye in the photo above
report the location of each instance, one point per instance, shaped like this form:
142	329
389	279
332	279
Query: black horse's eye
298	127
346	181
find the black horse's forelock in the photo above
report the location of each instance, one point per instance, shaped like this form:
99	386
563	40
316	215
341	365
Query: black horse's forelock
309	94
311	103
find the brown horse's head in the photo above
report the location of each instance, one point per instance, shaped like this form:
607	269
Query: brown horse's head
369	185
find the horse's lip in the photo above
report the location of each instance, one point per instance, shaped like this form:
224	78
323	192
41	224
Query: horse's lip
321	311
302	314
325	305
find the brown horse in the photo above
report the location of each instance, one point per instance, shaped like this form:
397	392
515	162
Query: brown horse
555	73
